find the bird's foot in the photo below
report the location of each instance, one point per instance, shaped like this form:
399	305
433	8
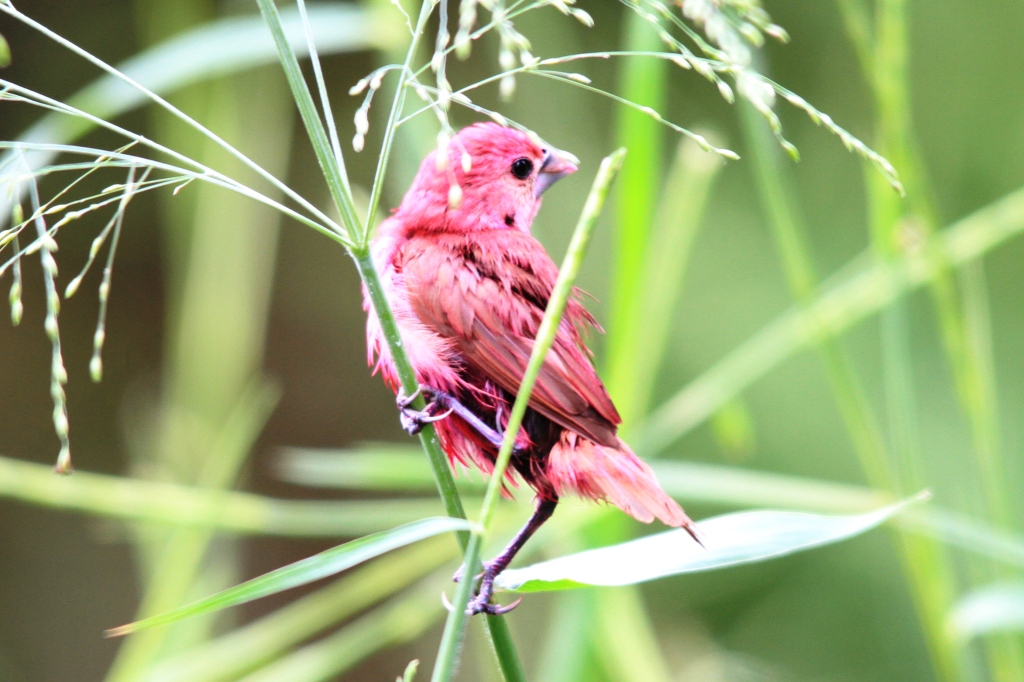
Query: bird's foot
481	603
457	578
413	420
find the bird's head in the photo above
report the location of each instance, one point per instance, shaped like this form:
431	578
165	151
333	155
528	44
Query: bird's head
491	177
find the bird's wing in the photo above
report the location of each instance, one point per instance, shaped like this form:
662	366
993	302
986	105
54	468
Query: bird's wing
487	293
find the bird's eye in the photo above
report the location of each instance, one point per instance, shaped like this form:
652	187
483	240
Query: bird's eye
521	168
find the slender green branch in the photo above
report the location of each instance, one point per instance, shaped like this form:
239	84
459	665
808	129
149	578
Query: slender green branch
338	184
448	653
321	86
180	505
397	105
407	375
331	165
838	306
185	118
645	83
500	636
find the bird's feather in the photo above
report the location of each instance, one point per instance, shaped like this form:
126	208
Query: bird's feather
487	295
469	285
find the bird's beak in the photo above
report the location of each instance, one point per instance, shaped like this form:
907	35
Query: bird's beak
556	165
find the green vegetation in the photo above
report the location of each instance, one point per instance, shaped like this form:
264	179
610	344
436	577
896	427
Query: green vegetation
726	260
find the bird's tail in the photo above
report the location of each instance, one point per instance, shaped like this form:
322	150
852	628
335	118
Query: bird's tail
613	474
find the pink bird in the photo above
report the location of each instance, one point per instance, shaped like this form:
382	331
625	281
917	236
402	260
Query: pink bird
469	284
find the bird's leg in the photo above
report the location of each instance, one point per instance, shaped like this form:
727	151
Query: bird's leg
482	602
493	436
412	420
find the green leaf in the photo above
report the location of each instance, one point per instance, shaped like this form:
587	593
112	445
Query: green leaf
410	671
305	571
401	468
369	466
729	540
5	52
996	608
862	289
181	505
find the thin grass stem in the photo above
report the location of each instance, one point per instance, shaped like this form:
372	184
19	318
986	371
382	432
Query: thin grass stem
325	100
331	165
157	99
326	227
397	105
842	302
447	656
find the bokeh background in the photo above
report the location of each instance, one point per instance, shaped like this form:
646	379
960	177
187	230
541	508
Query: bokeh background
216	303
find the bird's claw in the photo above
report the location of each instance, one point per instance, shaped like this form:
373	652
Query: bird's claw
412	420
479	605
462	569
404	401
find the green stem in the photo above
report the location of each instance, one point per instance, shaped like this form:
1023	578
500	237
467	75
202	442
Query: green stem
336	181
500	635
174	111
397	105
772	181
407	375
837	307
331	165
447	656
645	82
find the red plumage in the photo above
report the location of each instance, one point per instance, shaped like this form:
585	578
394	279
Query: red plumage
468	284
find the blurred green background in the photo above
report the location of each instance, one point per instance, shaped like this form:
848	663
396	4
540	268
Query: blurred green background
216	305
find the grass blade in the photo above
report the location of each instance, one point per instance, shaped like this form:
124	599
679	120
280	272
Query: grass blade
992	609
404	619
136	500
730	540
332	166
259	643
303	572
839	305
447	656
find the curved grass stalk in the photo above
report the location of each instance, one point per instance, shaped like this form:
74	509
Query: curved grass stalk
371	280
839	305
204	174
451	639
397	105
180	505
303	572
174	111
333	170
